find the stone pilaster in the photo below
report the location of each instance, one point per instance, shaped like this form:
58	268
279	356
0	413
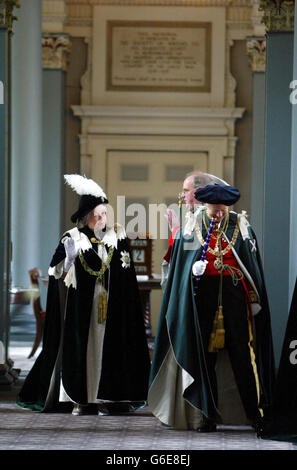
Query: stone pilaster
256	50
55	59
55	51
278	17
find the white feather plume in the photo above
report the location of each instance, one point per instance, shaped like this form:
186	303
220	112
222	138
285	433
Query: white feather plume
84	186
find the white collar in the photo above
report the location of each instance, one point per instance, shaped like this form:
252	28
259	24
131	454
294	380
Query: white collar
243	224
113	234
191	220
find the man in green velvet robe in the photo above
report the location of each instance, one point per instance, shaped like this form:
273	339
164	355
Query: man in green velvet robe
212	273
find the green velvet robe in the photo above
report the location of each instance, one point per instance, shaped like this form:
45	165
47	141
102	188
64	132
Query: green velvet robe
179	384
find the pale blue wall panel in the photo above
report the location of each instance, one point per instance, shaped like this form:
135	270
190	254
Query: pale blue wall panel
26	140
258	156
277	169
52	163
4	188
293	214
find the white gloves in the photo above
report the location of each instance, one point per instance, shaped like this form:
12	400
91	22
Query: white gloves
172	219
71	252
199	267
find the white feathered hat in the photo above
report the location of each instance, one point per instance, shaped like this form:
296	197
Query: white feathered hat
91	194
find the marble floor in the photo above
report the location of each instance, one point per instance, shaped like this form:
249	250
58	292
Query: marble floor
140	431
134	433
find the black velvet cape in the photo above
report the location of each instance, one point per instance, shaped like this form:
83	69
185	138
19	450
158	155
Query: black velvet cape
125	357
282	422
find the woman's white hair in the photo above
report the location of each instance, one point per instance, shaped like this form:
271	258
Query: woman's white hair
85	219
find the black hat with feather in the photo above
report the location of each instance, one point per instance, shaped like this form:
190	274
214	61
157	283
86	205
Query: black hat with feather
91	195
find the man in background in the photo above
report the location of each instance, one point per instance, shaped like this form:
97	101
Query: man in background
192	181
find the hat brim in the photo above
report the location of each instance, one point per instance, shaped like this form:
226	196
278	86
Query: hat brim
218	194
86	205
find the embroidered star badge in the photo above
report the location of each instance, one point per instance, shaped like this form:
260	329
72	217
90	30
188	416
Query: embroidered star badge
126	260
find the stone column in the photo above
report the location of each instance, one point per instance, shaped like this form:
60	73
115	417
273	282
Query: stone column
26	141
55	53
6	21
256	49
279	20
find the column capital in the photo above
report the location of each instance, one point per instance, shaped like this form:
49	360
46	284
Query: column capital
256	51
55	51
278	14
6	12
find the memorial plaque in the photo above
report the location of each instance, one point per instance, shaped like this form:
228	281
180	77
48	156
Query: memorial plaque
158	56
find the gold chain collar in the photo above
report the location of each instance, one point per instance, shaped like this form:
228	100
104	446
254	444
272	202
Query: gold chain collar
217	251
99	274
219	230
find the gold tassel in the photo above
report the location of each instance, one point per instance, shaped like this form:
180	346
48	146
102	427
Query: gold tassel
253	296
217	337
102	306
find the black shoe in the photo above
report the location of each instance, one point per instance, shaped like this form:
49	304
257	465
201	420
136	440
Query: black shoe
258	426
167	426
80	410
102	410
207	426
118	408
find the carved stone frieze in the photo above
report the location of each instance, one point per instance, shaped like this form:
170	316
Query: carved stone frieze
257	19
53	15
278	15
256	50
7	16
238	12
79	12
158	2
55	51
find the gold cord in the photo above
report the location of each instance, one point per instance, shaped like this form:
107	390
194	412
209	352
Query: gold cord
216	251
102	300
